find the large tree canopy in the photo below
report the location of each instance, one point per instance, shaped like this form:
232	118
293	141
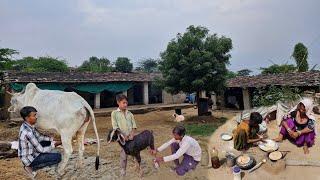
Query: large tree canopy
95	64
244	72
300	54
123	64
231	74
276	69
40	64
148	65
6	54
195	61
6	60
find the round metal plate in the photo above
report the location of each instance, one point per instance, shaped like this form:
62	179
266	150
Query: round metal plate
226	136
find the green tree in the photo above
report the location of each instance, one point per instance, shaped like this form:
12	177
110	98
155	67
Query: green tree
148	65
231	74
41	64
195	61
244	72
277	69
300	54
95	64
6	55
123	64
25	64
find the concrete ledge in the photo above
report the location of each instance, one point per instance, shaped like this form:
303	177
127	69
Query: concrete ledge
136	109
142	109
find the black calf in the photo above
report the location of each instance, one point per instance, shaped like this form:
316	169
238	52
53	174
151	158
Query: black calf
133	147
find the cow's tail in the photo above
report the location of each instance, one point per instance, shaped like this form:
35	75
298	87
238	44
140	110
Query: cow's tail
89	109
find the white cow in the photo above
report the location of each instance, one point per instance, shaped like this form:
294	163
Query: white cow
66	112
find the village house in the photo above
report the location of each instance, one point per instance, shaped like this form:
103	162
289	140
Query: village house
99	89
239	92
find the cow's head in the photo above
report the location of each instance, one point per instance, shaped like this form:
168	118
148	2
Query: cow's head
21	99
116	135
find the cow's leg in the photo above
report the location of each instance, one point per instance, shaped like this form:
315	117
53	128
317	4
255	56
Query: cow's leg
67	146
80	140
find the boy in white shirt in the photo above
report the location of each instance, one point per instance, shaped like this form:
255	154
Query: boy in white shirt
181	145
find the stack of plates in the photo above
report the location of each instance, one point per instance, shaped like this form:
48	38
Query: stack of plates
269	145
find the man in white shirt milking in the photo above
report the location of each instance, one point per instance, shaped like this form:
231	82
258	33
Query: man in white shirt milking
181	145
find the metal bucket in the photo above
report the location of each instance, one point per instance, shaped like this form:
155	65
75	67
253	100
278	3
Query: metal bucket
230	160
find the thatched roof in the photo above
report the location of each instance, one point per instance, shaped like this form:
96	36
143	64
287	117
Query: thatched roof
288	79
75	77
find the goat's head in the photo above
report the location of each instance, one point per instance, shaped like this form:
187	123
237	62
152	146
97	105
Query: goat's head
116	135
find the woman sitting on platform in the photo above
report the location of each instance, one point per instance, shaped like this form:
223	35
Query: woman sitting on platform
299	126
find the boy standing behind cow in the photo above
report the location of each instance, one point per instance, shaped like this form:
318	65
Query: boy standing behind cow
124	120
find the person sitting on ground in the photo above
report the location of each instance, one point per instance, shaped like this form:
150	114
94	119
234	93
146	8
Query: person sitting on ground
123	120
246	132
34	148
299	126
181	145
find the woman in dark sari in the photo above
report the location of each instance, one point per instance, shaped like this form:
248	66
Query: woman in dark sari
299	126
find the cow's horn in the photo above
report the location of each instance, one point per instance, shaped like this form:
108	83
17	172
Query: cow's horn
123	141
111	135
9	109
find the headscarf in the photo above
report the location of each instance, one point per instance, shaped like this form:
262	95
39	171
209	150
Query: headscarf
308	104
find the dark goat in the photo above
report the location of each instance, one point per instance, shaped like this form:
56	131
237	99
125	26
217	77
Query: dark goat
133	147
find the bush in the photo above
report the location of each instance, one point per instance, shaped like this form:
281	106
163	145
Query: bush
271	95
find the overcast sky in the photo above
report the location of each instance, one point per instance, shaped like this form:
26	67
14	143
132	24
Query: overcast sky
262	31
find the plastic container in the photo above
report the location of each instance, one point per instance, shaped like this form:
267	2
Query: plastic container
203	106
236	173
230	160
214	152
178	111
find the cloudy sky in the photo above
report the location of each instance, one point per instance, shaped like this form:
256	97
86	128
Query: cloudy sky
262	31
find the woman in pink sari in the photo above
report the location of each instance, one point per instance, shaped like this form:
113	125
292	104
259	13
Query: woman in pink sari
299	126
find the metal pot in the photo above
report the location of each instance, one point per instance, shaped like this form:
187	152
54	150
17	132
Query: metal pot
230	160
246	166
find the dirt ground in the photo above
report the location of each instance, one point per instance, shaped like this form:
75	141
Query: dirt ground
159	121
269	170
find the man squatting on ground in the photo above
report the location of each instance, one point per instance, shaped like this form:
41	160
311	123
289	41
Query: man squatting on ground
34	148
181	145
